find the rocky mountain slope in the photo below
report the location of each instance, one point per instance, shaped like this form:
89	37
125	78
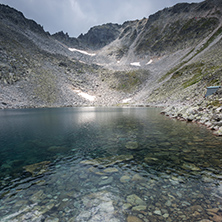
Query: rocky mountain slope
168	58
38	71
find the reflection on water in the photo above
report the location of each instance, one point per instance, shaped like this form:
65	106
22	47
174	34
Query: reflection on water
107	164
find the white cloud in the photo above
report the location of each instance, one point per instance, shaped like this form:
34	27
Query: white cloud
76	9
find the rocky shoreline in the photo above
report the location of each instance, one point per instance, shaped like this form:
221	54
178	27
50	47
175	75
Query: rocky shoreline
206	111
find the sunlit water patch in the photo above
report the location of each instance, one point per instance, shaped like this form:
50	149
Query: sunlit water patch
107	164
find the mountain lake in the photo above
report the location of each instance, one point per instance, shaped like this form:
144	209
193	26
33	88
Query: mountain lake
107	164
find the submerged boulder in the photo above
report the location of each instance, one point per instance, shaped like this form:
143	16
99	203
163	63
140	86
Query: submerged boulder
190	166
133	219
150	159
135	200
111	170
37	168
98	206
132	145
125	179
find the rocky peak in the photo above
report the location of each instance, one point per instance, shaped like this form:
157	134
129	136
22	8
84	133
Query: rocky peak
181	11
99	36
66	39
8	14
11	14
209	4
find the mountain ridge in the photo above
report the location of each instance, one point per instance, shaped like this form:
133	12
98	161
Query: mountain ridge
144	61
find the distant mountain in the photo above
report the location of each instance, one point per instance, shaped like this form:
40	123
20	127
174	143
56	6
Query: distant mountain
96	38
171	56
170	29
100	36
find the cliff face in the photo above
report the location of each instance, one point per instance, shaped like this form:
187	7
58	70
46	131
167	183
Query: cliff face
65	39
170	57
100	36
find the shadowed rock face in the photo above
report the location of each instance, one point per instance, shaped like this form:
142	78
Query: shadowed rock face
66	39
100	36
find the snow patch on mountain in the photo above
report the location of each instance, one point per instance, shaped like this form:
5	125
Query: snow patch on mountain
135	64
85	95
81	51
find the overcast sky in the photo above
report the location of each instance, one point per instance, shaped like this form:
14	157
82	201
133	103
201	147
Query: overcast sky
77	16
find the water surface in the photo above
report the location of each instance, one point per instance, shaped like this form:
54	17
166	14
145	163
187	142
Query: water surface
107	164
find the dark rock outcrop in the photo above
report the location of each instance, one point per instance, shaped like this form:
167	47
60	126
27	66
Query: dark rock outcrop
100	36
66	39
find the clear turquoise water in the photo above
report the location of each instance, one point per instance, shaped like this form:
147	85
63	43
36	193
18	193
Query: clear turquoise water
174	174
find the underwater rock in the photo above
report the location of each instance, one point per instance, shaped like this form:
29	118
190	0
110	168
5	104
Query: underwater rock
126	206
107	161
135	200
150	159
47	208
168	203
139	208
21	203
132	145
157	212
111	170
205	220
190	166
102	205
106	181
96	171
166	215
52	220
37	168
93	169
137	177
125	179
133	219
217	218
213	210
38	196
